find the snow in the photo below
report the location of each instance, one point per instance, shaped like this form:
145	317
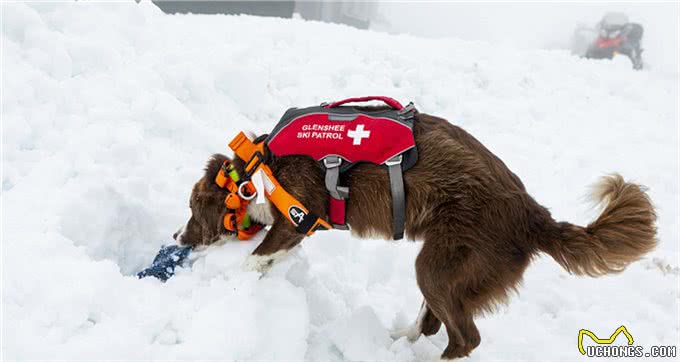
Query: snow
531	24
109	112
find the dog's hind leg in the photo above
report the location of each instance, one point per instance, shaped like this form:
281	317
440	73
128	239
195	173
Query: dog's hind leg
430	324
442	274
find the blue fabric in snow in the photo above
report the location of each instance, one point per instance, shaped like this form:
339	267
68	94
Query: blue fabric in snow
163	266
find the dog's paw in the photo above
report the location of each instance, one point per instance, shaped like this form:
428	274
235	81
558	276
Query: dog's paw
257	263
411	333
262	263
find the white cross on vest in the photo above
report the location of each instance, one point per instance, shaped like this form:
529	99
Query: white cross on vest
358	134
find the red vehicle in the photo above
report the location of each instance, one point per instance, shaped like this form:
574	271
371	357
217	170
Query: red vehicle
616	35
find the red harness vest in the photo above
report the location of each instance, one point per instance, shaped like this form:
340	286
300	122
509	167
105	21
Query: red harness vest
340	136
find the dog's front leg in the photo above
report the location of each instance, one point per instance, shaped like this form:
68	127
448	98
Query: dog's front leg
280	238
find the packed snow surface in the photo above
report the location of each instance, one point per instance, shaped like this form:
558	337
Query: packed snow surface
111	110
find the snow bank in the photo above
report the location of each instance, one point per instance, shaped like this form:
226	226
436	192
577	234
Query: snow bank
110	111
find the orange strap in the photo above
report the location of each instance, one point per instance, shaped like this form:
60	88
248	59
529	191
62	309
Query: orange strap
304	221
237	208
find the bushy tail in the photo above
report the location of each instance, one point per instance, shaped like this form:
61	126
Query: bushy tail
624	231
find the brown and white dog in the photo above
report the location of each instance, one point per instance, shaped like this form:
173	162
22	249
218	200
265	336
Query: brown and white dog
479	226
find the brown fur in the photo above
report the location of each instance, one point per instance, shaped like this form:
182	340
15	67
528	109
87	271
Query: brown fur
479	226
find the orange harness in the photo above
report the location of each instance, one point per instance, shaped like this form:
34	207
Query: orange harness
259	182
236	220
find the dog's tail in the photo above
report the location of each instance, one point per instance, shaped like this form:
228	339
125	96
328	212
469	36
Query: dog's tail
624	231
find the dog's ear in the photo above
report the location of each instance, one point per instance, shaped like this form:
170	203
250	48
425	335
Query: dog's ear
212	167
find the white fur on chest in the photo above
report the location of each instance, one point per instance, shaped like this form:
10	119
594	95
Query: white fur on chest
261	213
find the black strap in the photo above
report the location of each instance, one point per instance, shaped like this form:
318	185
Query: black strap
249	171
307	223
398	196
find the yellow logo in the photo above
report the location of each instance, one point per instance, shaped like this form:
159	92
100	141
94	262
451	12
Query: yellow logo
597	340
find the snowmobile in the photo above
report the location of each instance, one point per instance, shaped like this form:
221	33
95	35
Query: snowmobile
614	35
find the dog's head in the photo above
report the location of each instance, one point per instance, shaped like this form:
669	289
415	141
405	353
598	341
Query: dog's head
205	226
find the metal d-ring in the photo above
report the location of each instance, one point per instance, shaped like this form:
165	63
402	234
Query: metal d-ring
240	192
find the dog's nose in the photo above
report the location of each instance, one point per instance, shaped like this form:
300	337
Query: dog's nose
174	236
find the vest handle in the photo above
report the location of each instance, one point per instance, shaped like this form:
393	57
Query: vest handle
387	100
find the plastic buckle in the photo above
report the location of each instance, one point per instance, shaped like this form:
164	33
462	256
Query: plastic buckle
409	107
260	159
332	161
394	160
407	112
332	164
